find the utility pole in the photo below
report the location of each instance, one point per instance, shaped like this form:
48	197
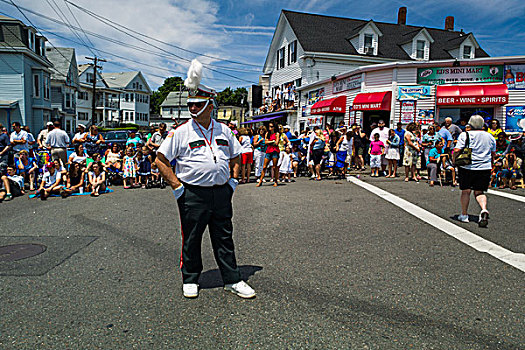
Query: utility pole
93	101
180	101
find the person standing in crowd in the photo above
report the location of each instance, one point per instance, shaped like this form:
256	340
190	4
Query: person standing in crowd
359	147
271	140
92	141
285	164
401	133
246	155
19	139
5	146
517	146
297	158
42	135
79	137
133	140
207	153
58	140
445	135
318	147
376	151
342	149
157	138
454	130
130	168
411	155
475	176
433	161
30	140
144	161
392	154
383	132
259	151
494	128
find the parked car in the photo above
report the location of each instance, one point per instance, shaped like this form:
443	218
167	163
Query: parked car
118	136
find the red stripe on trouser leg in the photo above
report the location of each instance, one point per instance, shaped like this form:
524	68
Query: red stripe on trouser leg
182	244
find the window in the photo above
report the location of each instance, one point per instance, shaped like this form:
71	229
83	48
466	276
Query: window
420	49
280	58
131	97
36	86
292	52
90	77
126	97
47	88
369	40
31	40
68	100
130	115
82	116
126	116
467	51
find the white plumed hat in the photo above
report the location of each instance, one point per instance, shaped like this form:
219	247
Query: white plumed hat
197	91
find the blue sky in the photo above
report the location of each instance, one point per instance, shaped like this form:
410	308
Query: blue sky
241	31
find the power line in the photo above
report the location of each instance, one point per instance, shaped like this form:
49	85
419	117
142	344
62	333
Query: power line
157	40
10	66
82	29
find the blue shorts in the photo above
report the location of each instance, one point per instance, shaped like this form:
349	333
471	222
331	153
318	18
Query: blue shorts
272	155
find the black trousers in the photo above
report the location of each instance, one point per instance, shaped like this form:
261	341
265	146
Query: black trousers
211	207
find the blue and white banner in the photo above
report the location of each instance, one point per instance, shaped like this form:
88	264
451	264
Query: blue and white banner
415	92
515	121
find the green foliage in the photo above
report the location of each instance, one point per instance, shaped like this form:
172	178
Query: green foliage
158	96
229	97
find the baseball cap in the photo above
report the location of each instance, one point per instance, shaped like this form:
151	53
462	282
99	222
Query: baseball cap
49	124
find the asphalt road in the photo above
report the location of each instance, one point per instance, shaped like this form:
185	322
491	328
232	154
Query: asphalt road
334	266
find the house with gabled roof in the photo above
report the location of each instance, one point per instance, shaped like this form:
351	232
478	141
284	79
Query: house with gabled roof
25	74
134	97
306	47
64	85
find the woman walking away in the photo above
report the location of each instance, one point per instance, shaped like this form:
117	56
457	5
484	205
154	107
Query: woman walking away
376	150
475	176
411	156
271	140
392	154
259	150
246	156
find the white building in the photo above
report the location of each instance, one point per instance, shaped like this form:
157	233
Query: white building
174	108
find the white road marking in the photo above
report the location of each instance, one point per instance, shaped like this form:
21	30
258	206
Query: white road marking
480	244
507	195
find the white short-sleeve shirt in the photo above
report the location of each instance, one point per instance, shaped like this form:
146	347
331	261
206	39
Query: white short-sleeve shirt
22	135
199	163
482	144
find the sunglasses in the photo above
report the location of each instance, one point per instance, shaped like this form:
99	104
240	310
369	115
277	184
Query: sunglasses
197	104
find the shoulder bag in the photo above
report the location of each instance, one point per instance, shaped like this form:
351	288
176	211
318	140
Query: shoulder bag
465	155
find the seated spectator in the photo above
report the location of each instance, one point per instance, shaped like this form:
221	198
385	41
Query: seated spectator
74	182
114	157
510	171
12	185
94	159
61	169
133	140
494	128
433	162
97	179
50	182
447	165
27	168
79	155
297	157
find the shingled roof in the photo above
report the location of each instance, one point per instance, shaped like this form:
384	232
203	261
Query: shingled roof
63	58
320	33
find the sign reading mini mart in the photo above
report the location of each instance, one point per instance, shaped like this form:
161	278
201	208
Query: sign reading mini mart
415	92
457	75
515	119
347	84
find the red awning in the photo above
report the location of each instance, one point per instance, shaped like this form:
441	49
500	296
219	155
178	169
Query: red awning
372	101
495	94
332	105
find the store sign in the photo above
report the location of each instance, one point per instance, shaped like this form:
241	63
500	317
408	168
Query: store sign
515	119
408	111
457	75
347	84
367	106
477	100
314	96
514	76
313	121
415	92
425	116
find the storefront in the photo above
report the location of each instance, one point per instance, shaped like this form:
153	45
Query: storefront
331	111
375	106
460	102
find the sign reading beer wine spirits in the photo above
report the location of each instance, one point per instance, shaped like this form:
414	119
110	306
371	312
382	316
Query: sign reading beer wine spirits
408	111
515	76
415	92
347	84
515	119
457	75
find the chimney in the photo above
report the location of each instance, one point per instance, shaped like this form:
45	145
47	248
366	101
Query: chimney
449	23
402	15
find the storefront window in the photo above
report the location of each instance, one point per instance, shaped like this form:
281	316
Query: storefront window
458	114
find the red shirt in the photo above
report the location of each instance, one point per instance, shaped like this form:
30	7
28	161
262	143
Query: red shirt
272	148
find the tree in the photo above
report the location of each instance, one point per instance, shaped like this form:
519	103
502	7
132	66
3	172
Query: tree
158	96
229	97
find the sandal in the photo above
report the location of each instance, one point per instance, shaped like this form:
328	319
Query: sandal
407	179
8	197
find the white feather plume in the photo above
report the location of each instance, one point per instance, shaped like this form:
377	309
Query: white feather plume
194	75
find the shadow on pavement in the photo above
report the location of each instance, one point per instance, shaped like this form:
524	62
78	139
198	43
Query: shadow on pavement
212	278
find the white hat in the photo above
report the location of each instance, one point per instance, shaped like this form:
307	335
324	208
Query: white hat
49	124
286	127
81	125
197	91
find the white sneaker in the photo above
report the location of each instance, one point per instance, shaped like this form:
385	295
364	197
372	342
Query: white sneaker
483	218
463	218
190	290
240	288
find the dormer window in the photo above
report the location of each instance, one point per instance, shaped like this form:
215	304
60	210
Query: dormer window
31	40
467	51
369	41
420	49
